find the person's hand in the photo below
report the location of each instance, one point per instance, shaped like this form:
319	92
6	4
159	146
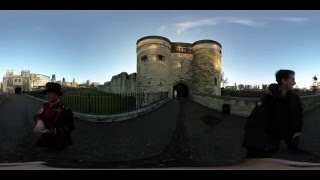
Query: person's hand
39	126
44	131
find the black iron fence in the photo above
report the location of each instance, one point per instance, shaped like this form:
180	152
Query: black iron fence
106	103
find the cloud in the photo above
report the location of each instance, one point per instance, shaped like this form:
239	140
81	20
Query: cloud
243	21
181	26
294	19
185	25
162	28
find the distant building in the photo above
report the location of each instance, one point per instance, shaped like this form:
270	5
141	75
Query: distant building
248	87
95	84
230	87
241	87
25	81
318	86
74	83
88	83
1	86
83	85
53	78
264	86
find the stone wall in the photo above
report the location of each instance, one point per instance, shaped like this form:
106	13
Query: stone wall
162	64
243	106
26	81
206	71
153	75
180	67
198	65
121	83
3	97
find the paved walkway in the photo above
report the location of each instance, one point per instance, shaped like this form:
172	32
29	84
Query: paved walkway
178	134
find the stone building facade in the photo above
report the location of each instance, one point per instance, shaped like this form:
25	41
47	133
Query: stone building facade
25	81
121	83
163	65
174	67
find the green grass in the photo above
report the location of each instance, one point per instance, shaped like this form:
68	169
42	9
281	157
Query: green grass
99	104
92	101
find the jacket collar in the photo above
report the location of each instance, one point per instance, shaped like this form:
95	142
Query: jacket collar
55	104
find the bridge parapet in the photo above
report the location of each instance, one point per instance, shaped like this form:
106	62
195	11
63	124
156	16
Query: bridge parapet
243	106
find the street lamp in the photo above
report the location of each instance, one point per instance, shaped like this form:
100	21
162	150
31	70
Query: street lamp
314	83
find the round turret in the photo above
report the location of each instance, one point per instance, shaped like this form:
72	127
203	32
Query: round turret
153	57
206	67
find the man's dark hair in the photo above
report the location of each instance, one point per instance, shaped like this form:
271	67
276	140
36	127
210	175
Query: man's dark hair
283	74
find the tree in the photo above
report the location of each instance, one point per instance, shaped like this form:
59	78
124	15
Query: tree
35	79
224	80
88	83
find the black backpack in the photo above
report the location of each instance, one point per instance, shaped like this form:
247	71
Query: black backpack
255	136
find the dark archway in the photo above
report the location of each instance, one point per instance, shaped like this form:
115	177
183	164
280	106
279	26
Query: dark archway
17	90
181	90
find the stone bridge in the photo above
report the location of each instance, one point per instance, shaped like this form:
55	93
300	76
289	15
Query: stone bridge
180	133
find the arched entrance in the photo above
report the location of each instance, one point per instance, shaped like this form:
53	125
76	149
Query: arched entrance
17	90
180	90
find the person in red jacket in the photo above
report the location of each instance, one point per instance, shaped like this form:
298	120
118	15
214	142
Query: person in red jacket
54	121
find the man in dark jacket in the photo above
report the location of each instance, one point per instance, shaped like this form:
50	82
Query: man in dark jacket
54	121
286	113
278	116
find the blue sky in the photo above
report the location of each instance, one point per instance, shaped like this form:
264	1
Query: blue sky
95	45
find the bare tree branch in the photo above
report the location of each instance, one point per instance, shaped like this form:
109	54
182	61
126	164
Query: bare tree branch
224	80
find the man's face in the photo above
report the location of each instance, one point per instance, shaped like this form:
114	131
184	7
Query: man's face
289	83
52	97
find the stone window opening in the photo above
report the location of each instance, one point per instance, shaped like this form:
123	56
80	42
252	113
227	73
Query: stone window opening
144	58
160	58
15	80
215	81
182	49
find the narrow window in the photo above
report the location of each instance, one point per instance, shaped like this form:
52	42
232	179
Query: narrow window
160	58
215	81
144	58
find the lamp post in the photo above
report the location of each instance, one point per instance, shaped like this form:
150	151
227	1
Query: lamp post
314	83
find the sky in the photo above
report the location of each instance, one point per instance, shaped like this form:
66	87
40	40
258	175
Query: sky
95	45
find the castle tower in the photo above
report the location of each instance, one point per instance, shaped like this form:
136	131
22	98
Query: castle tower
206	67
153	68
